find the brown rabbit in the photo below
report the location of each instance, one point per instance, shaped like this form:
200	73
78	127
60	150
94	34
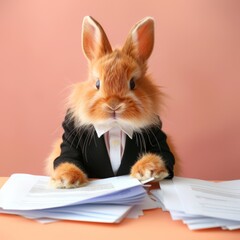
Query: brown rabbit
117	95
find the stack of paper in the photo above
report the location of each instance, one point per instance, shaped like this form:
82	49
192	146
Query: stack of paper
201	204
106	200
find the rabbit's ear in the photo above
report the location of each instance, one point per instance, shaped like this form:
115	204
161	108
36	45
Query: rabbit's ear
140	40
95	43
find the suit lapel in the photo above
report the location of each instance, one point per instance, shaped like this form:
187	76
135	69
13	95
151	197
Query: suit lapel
99	162
130	156
98	158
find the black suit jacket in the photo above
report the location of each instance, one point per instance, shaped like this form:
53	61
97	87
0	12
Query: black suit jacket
82	147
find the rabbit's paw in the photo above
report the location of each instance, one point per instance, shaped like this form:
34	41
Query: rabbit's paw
67	175
148	166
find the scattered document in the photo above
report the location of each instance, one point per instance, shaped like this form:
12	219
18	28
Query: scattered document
201	204
105	200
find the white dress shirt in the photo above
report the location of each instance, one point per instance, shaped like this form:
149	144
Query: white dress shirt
115	140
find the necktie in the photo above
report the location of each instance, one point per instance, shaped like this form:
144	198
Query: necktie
115	148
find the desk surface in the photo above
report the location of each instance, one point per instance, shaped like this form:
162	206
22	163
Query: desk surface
155	224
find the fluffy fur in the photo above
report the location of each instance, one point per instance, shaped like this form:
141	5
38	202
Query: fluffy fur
114	101
149	165
68	175
137	108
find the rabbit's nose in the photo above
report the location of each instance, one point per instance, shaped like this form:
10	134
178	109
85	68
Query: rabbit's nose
114	105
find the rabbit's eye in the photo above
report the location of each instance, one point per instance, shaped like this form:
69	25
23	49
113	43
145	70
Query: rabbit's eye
132	84
98	84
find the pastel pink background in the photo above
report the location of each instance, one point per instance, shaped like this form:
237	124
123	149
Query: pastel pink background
196	60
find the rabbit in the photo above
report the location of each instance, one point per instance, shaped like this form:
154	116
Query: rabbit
117	94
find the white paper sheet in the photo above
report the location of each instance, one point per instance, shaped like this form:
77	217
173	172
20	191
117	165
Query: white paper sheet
90	213
106	200
209	199
29	192
201	204
147	204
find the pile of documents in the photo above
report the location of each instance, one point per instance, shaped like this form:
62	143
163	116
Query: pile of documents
201	204
106	200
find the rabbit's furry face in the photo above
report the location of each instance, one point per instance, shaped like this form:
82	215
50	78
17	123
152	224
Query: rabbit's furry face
118	89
